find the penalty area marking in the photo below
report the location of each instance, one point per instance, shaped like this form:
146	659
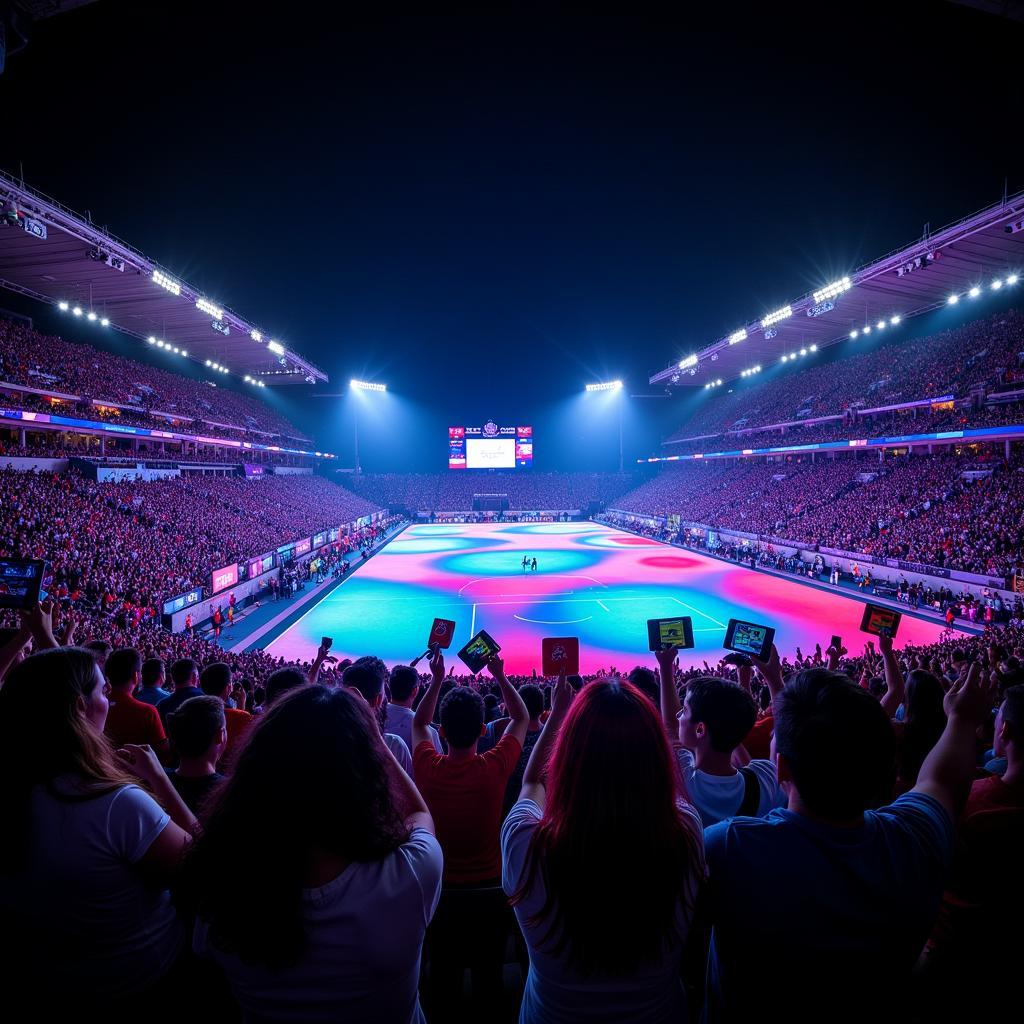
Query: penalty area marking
710	618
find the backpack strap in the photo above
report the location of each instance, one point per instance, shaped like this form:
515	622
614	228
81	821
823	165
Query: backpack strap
751	794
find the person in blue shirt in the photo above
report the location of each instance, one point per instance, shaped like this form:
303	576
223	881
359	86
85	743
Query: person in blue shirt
152	677
824	906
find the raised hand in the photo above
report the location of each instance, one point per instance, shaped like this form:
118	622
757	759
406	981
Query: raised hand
770	670
143	762
666	659
496	666
971	697
436	664
561	696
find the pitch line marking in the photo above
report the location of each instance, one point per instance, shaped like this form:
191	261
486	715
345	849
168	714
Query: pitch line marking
710	618
602	604
551	622
472	625
519	576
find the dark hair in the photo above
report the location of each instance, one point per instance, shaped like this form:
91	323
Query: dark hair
43	735
121	665
281	681
404	681
99	649
182	671
611	825
838	742
924	723
533	698
462	717
647	683
215	678
195	725
152	669
363	677
726	709
374	665
313	775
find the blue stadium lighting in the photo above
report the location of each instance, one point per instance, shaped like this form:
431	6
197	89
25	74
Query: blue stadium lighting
880	325
152	341
855	334
77	311
893	321
867	328
1012	279
362	385
276	347
104	322
814	348
830	291
974	292
208	307
255	335
996	285
737	336
91	316
953	300
685	364
611	385
803	351
63	306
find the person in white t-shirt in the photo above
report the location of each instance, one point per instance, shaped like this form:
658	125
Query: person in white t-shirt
602	862
404	686
87	854
334	869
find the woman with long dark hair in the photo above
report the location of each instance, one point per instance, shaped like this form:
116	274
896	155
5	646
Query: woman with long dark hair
87	854
603	862
923	724
318	870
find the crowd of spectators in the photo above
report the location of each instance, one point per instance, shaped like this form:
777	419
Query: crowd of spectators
125	547
50	363
184	831
984	352
928	509
526	490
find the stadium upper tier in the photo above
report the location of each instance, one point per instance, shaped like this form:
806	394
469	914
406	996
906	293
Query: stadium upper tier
985	354
51	365
453	492
924	509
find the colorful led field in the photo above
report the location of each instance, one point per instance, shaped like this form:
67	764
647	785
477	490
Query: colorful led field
592	582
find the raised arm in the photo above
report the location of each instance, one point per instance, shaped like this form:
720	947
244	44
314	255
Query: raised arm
517	713
948	769
771	672
428	703
533	777
669	696
408	799
895	686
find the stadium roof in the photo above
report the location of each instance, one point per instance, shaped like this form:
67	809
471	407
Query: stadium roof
52	254
979	252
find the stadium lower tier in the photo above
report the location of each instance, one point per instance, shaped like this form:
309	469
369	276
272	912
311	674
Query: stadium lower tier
592	582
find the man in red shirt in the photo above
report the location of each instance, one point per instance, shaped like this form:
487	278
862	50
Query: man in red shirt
465	792
215	681
130	720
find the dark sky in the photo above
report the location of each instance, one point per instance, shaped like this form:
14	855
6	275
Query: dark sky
488	212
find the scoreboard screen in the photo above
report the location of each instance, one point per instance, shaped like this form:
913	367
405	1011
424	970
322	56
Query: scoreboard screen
490	447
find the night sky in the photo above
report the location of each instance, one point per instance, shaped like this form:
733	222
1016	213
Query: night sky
487	212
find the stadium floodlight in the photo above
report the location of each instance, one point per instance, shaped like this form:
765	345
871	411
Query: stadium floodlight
177	351
867	328
690	360
152	341
208	363
953	300
737	336
77	311
894	320
276	347
776	316
974	292
184	351
208	307
830	291
1012	279
63	307
880	325
260	384
166	282
854	334
814	348
803	351
363	385
255	335
104	322
996	285
90	315
611	385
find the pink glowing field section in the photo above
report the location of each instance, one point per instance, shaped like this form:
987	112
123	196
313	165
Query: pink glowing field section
592	582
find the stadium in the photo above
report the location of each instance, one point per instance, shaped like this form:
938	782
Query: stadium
410	529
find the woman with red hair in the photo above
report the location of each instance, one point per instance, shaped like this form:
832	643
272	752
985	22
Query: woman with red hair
603	860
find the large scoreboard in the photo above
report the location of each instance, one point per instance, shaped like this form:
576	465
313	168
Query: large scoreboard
490	447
